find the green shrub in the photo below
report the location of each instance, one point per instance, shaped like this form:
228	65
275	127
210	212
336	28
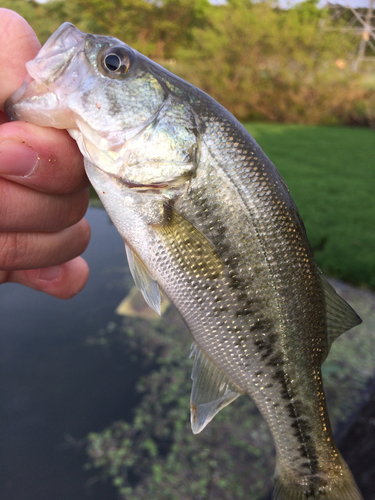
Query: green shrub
260	62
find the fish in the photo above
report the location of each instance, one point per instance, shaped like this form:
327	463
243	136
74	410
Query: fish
208	221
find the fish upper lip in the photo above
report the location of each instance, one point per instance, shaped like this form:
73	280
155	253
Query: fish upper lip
48	64
65	41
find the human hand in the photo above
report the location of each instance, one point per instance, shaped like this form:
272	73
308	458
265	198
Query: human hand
43	186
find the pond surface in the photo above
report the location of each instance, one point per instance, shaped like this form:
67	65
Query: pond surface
54	387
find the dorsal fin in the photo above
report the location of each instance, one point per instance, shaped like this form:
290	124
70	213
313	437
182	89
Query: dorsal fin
143	280
340	316
212	390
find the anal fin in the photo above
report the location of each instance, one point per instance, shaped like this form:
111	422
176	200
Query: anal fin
143	280
212	390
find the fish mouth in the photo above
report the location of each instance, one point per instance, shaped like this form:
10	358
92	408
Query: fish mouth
50	75
144	187
56	54
150	188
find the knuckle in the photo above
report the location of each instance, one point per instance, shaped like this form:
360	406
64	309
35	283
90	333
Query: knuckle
5	205
77	207
14	250
67	211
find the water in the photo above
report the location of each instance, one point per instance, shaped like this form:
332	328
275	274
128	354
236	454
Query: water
54	387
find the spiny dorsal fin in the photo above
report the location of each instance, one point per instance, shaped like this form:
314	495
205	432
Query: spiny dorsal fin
143	280
189	247
340	316
212	390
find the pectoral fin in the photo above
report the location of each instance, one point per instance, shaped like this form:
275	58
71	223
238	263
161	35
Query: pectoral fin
212	390
189	247
143	280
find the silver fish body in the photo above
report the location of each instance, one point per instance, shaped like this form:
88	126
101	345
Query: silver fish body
207	218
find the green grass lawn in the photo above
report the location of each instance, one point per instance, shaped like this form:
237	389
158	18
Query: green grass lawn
331	175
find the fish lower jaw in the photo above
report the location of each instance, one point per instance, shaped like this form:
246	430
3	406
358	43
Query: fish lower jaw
43	110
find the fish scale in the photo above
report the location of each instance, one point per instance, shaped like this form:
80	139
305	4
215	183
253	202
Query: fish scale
259	327
207	218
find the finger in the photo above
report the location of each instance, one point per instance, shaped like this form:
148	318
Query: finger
44	159
25	210
62	281
20	251
3	118
18	39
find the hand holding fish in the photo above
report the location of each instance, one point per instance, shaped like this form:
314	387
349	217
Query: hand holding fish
43	186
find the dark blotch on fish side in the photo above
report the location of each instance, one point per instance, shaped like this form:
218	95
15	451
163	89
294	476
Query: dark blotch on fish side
241	297
295	409
267	353
277	360
258	326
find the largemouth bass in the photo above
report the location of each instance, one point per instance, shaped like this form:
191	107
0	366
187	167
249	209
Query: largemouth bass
207	219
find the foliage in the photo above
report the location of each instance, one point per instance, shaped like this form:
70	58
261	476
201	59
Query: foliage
261	62
276	65
153	28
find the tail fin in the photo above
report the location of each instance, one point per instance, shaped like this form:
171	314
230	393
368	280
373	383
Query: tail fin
347	490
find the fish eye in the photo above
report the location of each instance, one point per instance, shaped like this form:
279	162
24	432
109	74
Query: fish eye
112	62
116	61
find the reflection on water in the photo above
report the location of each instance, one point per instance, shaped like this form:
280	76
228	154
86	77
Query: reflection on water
54	386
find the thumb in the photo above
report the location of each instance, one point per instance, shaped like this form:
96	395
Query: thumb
19	44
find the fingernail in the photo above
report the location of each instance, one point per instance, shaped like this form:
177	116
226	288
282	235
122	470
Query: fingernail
17	158
49	273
